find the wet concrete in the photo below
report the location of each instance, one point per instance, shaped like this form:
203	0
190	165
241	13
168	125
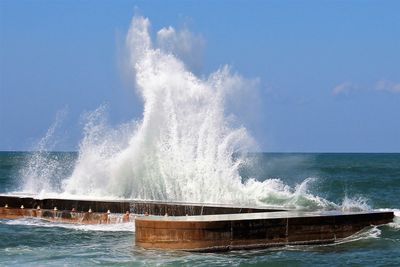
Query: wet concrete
254	230
132	206
199	227
62	216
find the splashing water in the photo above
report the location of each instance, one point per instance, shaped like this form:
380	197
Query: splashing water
184	148
396	221
355	204
114	227
44	169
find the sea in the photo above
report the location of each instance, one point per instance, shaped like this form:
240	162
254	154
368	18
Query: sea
191	144
311	181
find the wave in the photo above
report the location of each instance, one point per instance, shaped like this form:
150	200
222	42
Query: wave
185	147
115	227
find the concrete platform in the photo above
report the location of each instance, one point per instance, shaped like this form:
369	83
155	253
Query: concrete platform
77	211
250	231
199	227
63	216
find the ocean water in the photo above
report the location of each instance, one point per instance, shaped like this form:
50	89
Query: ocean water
188	146
350	181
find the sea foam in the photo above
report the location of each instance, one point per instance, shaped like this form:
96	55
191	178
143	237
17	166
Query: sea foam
185	147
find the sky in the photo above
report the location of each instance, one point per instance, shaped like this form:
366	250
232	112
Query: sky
328	72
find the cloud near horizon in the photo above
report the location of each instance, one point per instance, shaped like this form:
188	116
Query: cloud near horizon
344	88
382	85
387	86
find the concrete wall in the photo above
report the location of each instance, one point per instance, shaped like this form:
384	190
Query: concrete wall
133	206
213	233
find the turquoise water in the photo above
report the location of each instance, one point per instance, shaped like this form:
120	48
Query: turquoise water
372	181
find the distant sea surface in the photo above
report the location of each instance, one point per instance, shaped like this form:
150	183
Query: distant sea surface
372	181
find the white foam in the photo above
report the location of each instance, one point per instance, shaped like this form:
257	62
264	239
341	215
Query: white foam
117	227
355	204
43	170
396	221
184	148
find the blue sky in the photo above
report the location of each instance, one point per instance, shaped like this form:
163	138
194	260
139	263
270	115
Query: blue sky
329	71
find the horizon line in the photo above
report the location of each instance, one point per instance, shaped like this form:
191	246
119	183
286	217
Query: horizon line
249	152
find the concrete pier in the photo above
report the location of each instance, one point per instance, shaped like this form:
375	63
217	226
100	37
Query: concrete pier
123	206
199	227
63	216
250	231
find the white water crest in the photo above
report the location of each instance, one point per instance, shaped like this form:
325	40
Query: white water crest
185	147
396	220
43	170
355	204
114	227
182	148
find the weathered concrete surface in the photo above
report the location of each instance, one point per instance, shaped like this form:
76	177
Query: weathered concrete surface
202	230
112	211
253	230
66	216
122	206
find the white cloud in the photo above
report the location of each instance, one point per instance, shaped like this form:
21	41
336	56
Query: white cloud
343	88
183	44
387	86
